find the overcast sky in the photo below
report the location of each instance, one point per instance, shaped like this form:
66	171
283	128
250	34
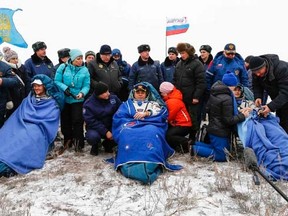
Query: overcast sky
254	26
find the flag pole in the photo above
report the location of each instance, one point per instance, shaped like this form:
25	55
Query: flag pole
165	39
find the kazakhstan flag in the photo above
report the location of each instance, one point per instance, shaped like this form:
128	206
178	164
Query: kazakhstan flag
8	32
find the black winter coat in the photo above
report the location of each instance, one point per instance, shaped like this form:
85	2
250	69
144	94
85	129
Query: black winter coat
189	78
220	108
275	82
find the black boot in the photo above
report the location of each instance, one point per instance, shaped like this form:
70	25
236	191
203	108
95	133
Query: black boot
94	149
108	145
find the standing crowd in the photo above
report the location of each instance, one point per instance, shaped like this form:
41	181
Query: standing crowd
101	90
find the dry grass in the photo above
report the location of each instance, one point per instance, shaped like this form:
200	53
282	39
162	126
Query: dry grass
87	186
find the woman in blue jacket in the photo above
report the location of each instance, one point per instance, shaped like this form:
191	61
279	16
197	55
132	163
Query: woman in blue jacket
74	79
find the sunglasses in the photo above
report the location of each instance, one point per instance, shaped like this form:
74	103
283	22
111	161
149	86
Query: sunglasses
229	54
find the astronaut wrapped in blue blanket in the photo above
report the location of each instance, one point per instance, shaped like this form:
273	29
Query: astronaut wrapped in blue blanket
269	142
27	134
139	128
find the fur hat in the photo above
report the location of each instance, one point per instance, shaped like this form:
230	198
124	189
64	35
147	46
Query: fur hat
100	88
229	79
62	53
1	55
90	52
143	47
74	53
38	45
9	54
207	48
166	87
256	63
173	50
186	47
105	49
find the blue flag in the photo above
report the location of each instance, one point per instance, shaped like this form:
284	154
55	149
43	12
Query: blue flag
8	32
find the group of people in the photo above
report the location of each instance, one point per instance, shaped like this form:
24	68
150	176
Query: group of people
117	103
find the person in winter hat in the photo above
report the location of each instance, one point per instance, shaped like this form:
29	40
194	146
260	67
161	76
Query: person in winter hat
104	69
145	69
229	79
169	64
63	56
227	60
124	68
9	54
74	79
39	63
270	74
223	115
189	78
16	94
89	56
178	118
186	47
98	111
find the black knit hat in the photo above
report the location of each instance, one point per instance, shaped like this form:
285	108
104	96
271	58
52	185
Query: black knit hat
256	63
105	50
100	88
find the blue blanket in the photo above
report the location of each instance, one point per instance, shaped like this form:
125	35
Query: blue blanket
141	140
269	142
27	134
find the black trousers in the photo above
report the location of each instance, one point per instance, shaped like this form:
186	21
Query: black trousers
72	122
175	136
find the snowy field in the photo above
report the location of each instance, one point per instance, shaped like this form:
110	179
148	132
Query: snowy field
80	184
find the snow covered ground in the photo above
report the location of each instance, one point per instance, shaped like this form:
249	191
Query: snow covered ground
80	184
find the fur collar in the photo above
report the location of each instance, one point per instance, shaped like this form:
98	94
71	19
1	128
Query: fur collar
37	60
168	62
142	63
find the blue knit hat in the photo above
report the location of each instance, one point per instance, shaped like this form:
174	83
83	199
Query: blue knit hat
116	52
74	53
229	79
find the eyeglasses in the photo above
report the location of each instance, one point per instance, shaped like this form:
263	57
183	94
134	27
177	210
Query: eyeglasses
230	54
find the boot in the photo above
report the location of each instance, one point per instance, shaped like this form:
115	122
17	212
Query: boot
94	149
108	145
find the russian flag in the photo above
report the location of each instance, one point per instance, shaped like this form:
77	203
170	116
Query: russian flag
176	26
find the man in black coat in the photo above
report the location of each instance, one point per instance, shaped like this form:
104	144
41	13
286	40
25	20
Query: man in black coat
271	74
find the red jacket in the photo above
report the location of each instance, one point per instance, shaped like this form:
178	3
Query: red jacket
178	114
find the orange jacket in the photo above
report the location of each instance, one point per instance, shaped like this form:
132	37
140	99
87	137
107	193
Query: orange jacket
178	114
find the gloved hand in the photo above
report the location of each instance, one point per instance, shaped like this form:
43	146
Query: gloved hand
67	92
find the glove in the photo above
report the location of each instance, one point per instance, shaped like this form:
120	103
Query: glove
67	92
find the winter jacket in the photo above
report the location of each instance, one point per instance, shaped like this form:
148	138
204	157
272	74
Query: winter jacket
36	65
220	109
77	79
221	65
178	114
275	82
168	69
108	73
207	63
9	81
98	113
189	78
145	71
18	94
